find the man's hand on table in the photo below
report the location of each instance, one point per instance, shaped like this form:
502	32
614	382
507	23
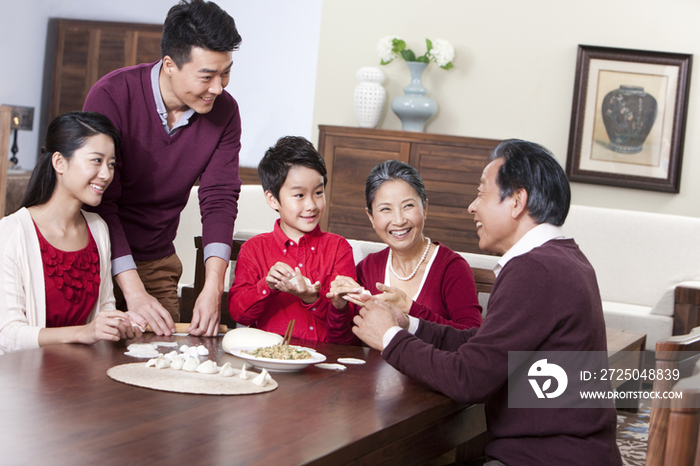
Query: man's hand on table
206	314
374	319
144	309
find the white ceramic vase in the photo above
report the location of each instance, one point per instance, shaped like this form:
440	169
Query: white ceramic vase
369	96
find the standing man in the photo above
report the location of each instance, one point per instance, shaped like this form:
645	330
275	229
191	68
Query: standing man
545	298
178	125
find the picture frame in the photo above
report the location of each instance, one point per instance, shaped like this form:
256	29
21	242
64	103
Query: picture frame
628	118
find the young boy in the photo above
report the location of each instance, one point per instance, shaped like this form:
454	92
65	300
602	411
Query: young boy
269	288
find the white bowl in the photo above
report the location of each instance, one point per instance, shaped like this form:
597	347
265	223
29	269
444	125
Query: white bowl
278	365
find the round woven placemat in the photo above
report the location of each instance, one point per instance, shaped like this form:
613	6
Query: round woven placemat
170	380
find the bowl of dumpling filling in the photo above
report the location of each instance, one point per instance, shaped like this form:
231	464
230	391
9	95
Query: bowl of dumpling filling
279	358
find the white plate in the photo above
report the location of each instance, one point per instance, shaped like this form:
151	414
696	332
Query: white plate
278	365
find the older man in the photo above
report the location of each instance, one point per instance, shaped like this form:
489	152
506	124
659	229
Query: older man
545	298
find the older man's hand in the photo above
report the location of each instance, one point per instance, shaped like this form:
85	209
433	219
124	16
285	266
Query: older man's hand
375	319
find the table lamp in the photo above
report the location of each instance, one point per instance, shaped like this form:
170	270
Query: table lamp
21	118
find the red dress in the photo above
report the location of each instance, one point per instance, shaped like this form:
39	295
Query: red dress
72	281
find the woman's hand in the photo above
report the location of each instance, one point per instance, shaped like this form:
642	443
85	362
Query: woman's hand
344	289
107	325
395	296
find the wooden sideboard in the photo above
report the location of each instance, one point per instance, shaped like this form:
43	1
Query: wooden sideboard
450	166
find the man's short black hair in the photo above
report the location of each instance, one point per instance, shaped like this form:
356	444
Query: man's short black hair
196	23
288	152
532	167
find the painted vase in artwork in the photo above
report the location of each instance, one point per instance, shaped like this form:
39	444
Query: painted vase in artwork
628	115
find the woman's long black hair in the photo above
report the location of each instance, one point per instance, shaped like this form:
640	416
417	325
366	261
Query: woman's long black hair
66	134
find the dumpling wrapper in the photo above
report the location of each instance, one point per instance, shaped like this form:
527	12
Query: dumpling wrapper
142	350
351	361
208	367
295	280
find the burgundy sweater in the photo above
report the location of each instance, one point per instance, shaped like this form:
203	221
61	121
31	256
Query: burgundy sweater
448	295
545	300
155	172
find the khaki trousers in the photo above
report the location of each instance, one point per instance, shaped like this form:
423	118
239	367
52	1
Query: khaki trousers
160	278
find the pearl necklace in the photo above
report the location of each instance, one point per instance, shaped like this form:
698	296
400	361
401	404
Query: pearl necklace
405	279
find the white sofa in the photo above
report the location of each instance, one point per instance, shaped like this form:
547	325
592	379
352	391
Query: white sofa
640	259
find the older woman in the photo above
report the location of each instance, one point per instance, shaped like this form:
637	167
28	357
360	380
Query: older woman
424	278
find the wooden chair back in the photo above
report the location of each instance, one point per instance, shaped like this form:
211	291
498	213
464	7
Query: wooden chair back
673	426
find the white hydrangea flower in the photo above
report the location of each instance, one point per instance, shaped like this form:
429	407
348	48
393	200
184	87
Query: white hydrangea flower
384	48
442	52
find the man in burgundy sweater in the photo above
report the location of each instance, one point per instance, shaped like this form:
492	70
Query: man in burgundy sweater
545	298
178	125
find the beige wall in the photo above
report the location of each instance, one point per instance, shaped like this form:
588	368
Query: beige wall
514	70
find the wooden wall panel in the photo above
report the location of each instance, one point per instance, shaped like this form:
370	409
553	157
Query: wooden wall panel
88	50
5	123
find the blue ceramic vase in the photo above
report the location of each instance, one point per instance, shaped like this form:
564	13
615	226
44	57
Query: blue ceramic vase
628	115
414	108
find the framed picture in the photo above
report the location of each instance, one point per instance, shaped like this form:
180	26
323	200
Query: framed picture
628	118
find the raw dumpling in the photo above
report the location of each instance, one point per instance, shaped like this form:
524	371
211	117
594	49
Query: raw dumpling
162	363
243	374
177	362
263	379
208	367
191	364
226	370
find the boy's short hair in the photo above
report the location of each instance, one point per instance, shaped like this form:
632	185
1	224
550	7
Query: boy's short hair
288	152
196	23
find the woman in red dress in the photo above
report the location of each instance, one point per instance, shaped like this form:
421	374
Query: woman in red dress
55	282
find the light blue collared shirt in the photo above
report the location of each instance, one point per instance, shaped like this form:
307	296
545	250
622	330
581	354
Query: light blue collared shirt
160	105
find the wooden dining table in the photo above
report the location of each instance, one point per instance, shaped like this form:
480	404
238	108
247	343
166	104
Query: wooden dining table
59	407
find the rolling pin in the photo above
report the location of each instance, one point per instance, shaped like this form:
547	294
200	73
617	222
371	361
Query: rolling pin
183	326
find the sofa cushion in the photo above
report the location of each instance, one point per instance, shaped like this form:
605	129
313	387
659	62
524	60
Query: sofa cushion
360	249
638	319
637	256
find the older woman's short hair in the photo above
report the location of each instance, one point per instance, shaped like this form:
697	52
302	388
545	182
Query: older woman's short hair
532	167
389	171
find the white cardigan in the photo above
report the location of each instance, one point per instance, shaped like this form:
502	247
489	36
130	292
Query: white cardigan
22	292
